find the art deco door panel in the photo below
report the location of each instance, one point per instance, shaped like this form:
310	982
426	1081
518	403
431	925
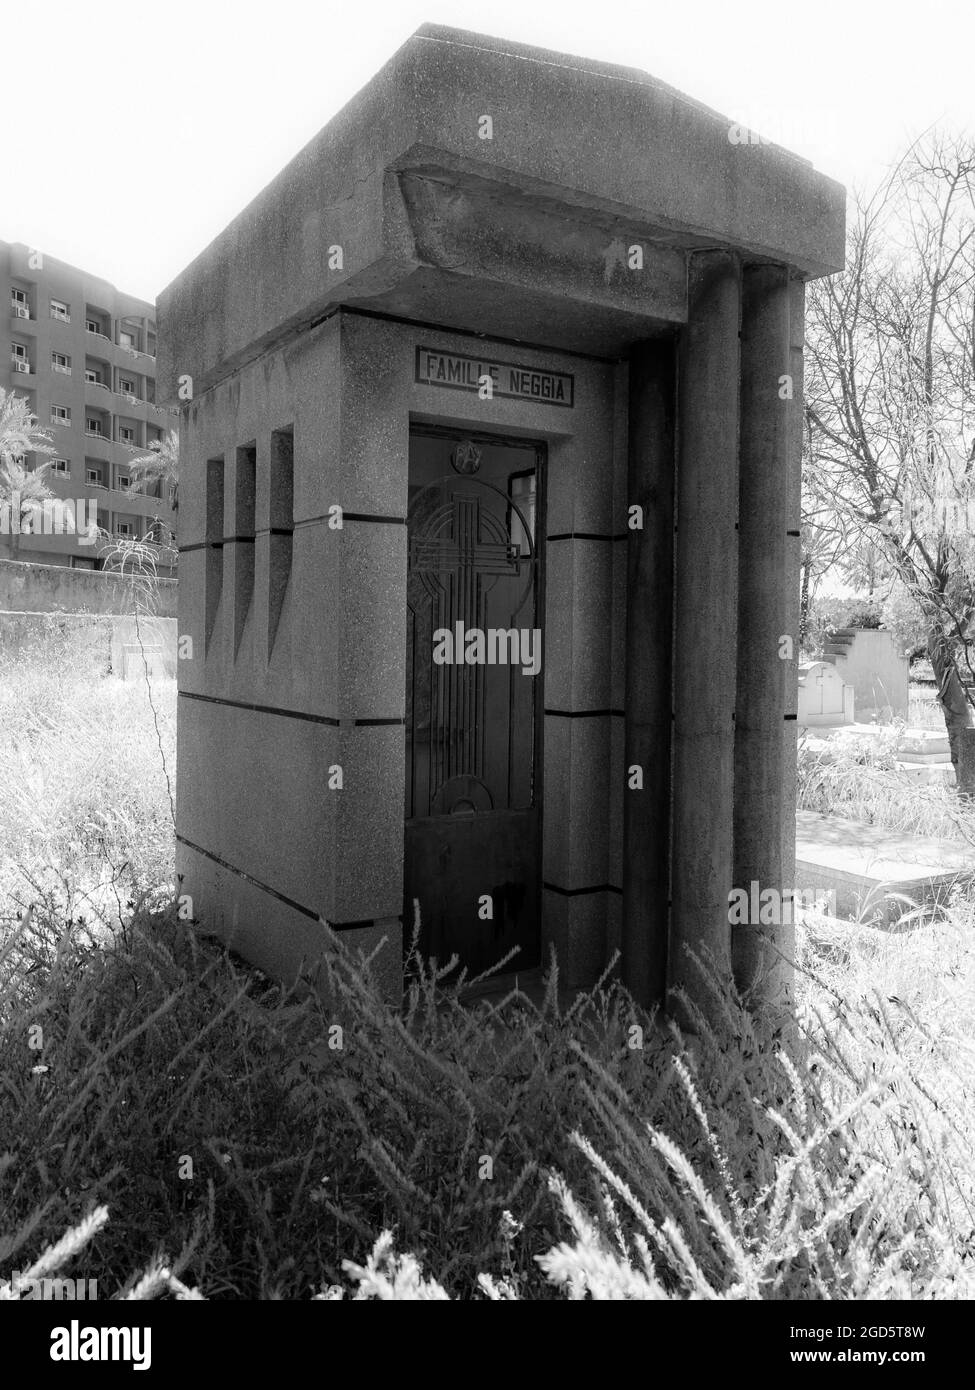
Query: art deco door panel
472	844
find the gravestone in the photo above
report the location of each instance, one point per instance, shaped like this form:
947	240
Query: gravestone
824	697
868	660
445	387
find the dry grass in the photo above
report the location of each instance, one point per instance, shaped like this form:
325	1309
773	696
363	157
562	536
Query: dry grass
85	819
857	778
509	1150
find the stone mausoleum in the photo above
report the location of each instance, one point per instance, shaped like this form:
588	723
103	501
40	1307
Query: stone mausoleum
489	523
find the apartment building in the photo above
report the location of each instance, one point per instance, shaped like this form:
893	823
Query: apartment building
84	355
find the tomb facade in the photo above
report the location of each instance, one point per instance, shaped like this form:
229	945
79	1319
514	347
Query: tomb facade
513	345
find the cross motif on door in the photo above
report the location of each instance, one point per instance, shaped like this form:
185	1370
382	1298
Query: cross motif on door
460	549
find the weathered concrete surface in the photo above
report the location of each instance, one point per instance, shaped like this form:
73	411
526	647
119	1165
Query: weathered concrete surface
705	616
99	644
764	485
649	637
866	867
603	232
868	660
28	588
402	181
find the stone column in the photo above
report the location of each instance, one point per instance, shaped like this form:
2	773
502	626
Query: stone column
764	637
793	553
649	639
706	611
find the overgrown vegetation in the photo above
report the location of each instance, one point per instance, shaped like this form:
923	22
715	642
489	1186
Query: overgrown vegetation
250	1143
857	777
231	1125
85	821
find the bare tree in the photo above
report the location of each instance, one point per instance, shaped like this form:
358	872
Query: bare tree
890	399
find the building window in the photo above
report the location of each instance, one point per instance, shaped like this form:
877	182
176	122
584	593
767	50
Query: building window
60	310
126	339
122	481
126	386
124	528
61	363
93	477
93	426
60	415
19	303
61	466
18	357
126	435
92	377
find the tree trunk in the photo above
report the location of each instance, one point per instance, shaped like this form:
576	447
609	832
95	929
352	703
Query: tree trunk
954	706
804	605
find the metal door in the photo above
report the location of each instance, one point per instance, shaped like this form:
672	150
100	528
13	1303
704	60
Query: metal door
473	709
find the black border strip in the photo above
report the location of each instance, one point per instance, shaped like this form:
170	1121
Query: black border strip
354	516
273	892
292	713
587	536
290	530
249	878
578	892
585	713
260	709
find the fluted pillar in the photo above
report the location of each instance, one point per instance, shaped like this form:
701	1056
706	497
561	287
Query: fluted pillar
766	645
706	613
649	643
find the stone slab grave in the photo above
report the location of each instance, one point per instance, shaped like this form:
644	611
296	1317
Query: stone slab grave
865	866
154	636
921	755
458	370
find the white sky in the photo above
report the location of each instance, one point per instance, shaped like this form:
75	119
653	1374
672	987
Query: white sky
135	131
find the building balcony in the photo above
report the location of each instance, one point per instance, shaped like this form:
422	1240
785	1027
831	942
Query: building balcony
23	372
97	394
136	353
21	325
97	334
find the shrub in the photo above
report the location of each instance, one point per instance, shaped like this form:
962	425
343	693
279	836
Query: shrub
828	615
740	1163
